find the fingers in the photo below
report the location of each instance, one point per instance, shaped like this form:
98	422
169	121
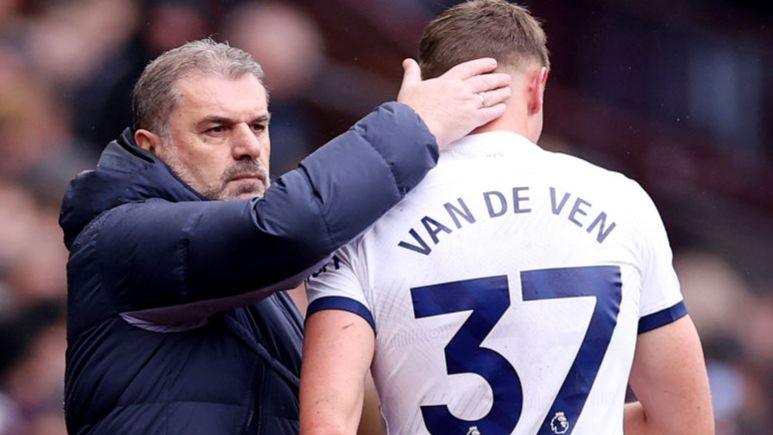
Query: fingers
488	82
488	114
472	68
492	98
412	72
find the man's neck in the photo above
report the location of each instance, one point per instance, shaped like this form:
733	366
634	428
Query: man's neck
507	122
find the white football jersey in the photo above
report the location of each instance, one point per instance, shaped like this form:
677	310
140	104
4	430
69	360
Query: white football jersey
507	291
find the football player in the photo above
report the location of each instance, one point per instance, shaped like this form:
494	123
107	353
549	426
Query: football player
514	291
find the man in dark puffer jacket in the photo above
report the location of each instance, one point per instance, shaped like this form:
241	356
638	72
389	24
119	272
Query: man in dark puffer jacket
178	246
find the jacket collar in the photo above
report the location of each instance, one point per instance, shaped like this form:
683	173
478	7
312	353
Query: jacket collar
125	174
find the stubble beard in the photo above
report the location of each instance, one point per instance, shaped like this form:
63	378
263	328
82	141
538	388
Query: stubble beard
252	189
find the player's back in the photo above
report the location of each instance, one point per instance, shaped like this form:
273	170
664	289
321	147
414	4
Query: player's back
507	290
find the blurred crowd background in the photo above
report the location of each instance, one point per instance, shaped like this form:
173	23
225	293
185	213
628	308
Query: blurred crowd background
676	94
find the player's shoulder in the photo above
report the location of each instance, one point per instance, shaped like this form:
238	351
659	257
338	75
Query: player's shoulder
579	170
576	165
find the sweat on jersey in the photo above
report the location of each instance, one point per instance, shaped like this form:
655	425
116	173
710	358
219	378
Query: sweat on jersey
507	292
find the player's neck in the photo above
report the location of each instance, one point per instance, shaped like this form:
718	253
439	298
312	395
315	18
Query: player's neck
513	121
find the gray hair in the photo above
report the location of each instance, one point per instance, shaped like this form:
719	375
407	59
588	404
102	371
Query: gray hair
155	96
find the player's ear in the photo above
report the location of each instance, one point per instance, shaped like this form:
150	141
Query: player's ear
537	81
147	140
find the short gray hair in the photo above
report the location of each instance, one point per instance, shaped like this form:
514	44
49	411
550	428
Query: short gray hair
154	96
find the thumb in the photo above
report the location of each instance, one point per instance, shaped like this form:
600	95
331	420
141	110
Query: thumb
412	72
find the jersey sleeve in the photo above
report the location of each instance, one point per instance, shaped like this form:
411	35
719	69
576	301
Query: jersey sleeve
661	300
337	286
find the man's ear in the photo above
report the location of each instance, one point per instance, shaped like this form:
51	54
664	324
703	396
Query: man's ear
537	82
147	140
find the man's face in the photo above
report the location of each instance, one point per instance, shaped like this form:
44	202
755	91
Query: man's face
218	136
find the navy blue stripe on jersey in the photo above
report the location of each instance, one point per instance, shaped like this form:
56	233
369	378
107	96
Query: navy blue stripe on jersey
343	304
662	317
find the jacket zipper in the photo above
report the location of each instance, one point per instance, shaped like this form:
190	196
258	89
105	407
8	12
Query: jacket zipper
249	419
262	384
259	406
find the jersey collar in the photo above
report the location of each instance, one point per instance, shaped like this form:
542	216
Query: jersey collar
490	141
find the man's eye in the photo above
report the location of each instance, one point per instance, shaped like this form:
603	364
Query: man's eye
216	129
258	127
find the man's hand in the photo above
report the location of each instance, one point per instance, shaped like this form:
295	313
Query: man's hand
457	102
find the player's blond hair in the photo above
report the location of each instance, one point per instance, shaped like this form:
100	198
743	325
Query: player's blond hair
482	28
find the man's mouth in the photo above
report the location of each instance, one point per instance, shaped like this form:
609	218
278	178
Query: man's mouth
248	176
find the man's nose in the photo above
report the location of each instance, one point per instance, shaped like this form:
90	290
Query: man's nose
245	142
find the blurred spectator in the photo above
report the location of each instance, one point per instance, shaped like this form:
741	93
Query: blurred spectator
37	270
172	23
70	39
757	331
284	40
31	369
18	215
102	99
25	106
735	327
714	292
8	10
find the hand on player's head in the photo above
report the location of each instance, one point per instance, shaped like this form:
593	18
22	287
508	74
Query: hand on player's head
465	97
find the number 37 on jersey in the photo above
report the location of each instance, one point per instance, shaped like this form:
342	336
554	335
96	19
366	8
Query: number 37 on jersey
488	298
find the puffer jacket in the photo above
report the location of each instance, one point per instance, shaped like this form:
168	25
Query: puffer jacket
176	324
